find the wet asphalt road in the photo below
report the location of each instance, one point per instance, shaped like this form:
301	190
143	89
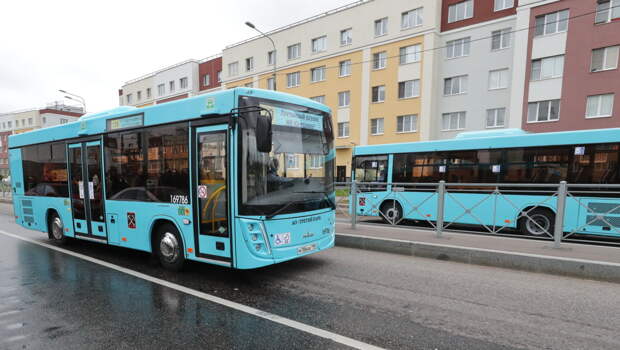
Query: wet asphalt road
54	301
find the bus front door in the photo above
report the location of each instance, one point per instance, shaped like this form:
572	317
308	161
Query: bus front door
211	193
85	176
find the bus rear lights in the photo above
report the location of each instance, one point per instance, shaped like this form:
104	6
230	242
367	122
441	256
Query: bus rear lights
190	250
428	215
507	221
124	239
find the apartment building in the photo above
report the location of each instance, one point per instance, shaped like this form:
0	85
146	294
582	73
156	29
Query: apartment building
17	122
366	61
571	55
475	67
171	83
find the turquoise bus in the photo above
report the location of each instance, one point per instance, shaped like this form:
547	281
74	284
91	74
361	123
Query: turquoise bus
241	178
399	181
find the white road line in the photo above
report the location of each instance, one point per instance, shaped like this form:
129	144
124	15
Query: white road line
6	313
227	303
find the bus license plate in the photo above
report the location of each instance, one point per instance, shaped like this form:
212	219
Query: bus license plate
306	248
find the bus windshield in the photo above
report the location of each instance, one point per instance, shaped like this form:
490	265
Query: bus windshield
297	175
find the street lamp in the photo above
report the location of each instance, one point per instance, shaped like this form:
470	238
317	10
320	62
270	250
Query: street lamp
249	24
75	97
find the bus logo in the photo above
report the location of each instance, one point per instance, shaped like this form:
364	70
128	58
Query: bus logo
362	201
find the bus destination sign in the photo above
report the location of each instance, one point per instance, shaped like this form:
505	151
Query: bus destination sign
125	122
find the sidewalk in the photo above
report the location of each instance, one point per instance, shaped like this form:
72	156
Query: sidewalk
572	259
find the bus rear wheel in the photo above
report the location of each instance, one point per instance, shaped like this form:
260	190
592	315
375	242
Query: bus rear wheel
169	247
56	229
391	212
538	222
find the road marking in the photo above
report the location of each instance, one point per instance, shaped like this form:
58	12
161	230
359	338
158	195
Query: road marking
6	313
224	302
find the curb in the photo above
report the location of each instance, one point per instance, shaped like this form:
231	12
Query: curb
588	269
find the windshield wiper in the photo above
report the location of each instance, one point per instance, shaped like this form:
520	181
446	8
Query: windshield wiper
279	210
325	193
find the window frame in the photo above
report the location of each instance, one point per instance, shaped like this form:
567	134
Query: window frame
556	22
468	11
495	112
383	25
418	16
599	105
380	94
415	89
319	48
541	61
377	59
417	54
295	48
500	85
343	132
377	126
549	108
342	64
233	72
458	120
463	43
604	59
504	3
612	5
290	81
505	39
346	93
322	74
413	122
349	37
462	85
249	64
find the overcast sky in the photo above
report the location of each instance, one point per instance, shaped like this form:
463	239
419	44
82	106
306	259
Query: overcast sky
92	47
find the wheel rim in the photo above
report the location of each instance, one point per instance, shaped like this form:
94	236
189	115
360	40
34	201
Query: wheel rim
392	213
538	224
169	247
57	228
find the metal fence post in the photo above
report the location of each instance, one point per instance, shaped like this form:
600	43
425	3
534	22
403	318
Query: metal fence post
441	195
558	230
353	204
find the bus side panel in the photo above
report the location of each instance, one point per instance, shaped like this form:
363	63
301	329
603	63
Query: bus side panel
17	174
600	216
134	222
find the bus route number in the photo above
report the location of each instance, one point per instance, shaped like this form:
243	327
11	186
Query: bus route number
178	199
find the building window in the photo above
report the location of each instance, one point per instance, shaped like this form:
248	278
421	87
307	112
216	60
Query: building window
29	121
319	99
458	47
498	79
543	111
379	60
496	117
549	67
406	123
410	54
249	64
599	106
317	74
605	58
64	121
453	121
316	161
10	124
409	88
4	124
500	39
249	85
294	51
381	26
346	37
344	98
455	85
292	161
129	100
378	93
161	89
139	95
345	68
206	80
219	76
460	11
552	23
271	58
233	69
183	83
319	44
503	5
343	129
43	120
171	86
607	10
411	19
376	126
293	79
271	84
148	92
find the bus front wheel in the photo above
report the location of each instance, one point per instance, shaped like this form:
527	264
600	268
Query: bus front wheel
538	222
169	247
391	212
56	229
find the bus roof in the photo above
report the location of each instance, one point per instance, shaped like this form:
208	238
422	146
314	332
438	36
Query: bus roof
506	138
213	103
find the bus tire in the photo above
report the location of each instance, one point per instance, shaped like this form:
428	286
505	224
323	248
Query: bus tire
544	217
169	247
391	212
56	228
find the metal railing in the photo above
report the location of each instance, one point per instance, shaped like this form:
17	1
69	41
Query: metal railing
537	209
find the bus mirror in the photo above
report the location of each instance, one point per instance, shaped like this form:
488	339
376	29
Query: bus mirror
263	134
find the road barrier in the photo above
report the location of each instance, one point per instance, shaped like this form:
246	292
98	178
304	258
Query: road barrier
442	206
